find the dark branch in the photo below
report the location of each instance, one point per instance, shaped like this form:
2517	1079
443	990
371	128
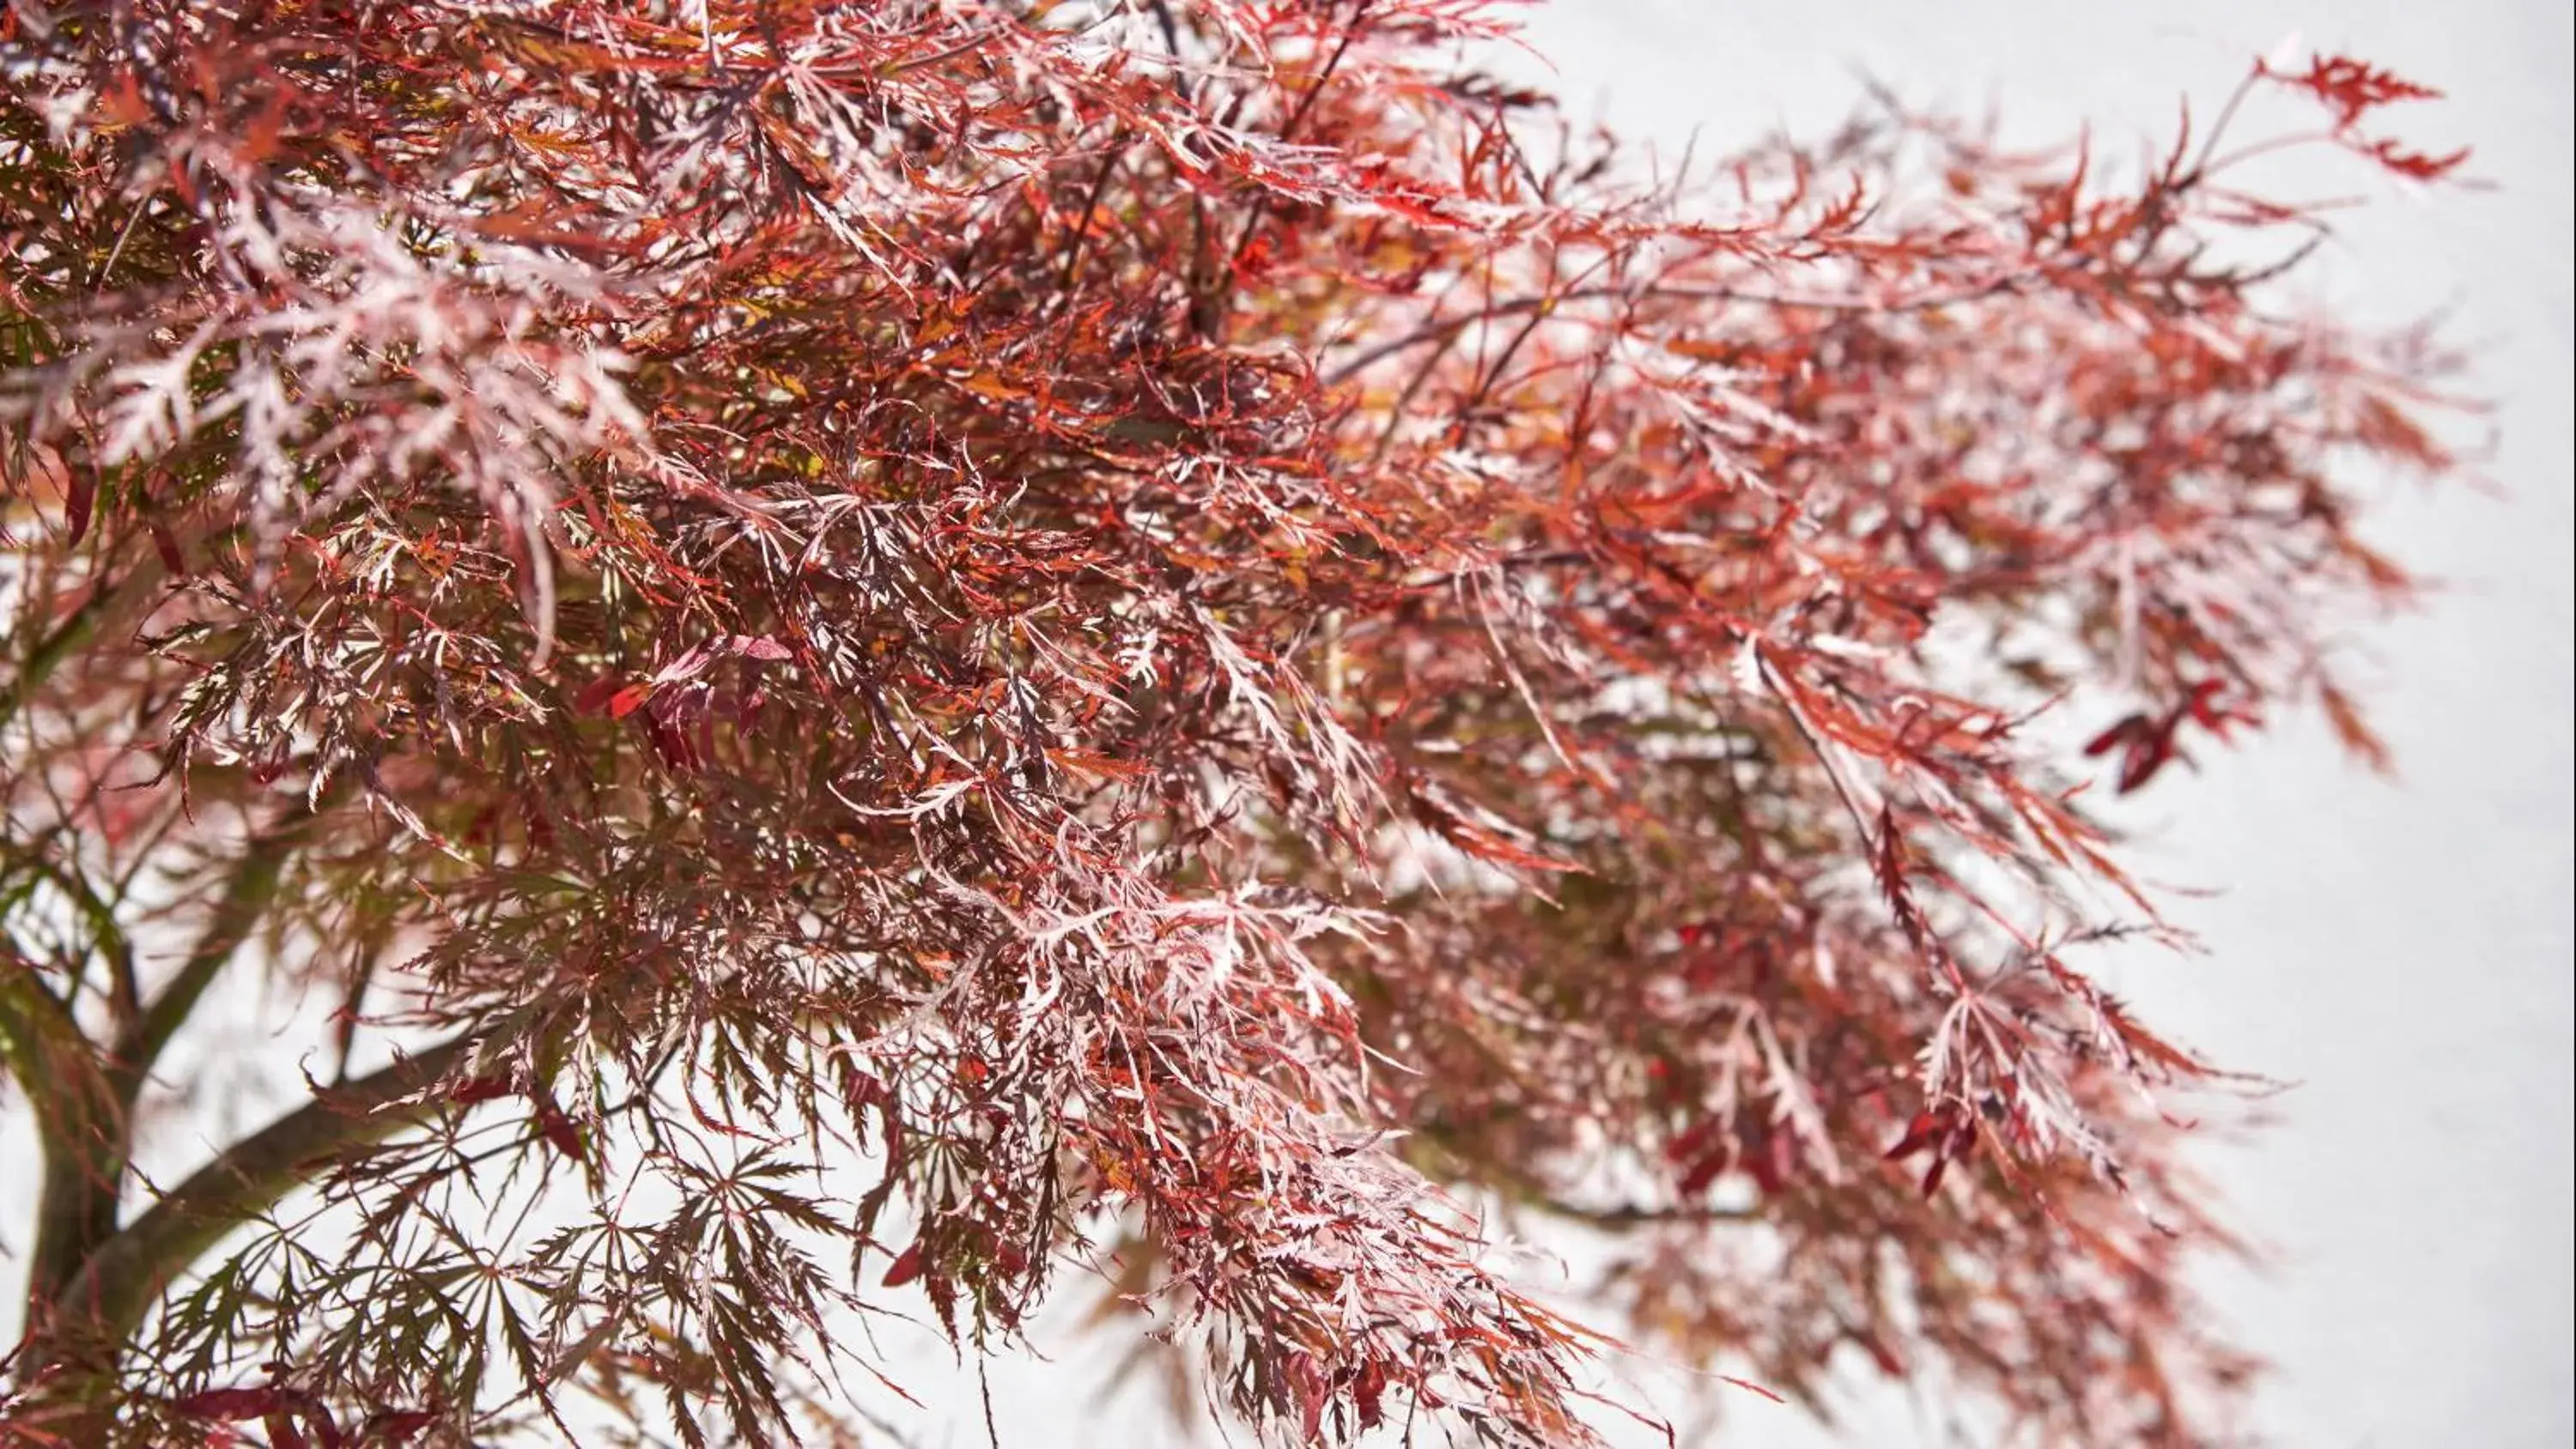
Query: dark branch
76	1112
246	898
108	1298
75	631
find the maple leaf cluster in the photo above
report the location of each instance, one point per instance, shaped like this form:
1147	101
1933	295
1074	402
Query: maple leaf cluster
924	647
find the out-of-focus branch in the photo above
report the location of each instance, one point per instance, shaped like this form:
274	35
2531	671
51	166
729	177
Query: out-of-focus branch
1625	1217
107	937
247	896
67	637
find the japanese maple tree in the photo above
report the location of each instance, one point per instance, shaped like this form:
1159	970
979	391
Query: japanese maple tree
765	661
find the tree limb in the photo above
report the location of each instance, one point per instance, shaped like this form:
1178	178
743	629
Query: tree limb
246	898
29	1010
106	1300
75	630
108	938
85	1094
1618	1219
79	1127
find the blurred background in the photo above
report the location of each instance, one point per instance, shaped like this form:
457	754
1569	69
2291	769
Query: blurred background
2400	951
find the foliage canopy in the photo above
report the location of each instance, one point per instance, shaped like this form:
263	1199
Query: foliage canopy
856	649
